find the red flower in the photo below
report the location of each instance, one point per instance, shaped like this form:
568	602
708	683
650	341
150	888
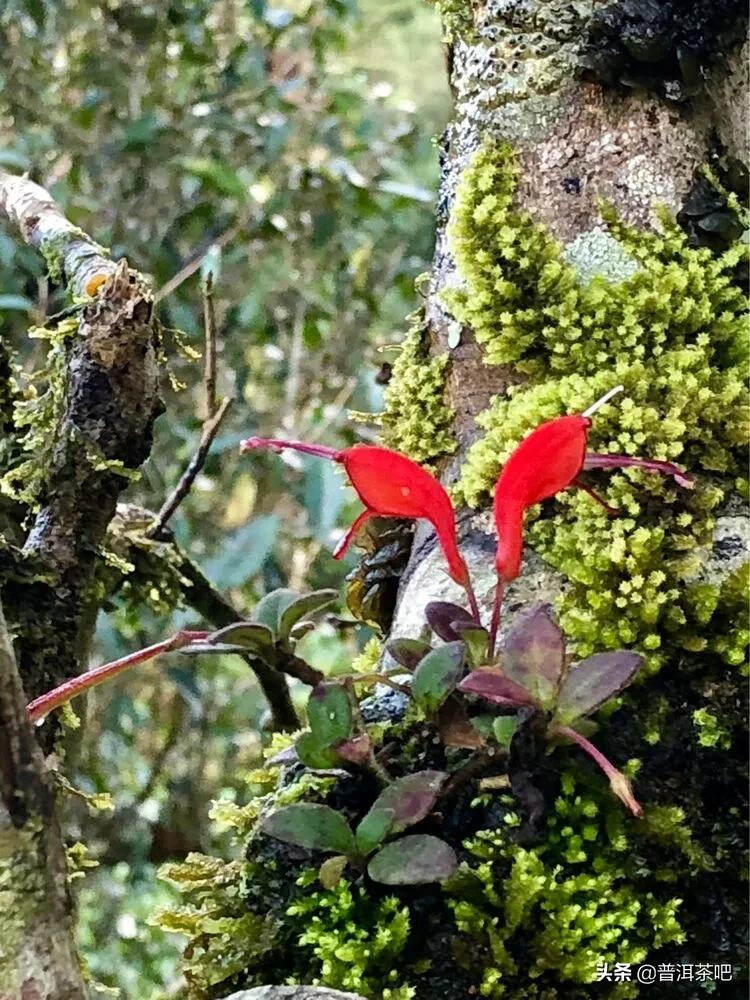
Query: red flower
548	460
389	485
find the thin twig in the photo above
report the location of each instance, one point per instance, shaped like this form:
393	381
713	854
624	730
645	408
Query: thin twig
209	323
187	479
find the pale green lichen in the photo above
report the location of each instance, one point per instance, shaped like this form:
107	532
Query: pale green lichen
417	419
456	17
711	733
23	893
674	334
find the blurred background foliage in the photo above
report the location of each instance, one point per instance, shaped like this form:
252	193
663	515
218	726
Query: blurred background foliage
288	149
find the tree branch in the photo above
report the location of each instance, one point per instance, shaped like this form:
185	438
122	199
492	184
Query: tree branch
111	401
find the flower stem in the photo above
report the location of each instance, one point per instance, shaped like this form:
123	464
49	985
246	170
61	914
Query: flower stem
277	444
617	780
600	402
652	464
496	608
45	703
472	601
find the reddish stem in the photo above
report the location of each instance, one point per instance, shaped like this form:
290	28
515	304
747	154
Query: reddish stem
473	604
345	542
277	444
612	511
496	607
652	464
617	780
45	703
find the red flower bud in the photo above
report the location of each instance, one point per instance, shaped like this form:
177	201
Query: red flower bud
389	485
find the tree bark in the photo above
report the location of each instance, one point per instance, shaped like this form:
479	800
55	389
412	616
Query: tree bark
515	75
38	959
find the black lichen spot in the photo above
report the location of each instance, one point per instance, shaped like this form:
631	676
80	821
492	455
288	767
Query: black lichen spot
571	185
662	45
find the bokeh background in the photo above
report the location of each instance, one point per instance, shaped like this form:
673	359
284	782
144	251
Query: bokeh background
287	148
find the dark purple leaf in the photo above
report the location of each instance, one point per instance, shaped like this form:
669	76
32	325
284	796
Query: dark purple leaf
592	681
442	614
356	750
495	687
534	654
316	827
413	860
455	726
409	799
437	675
408	652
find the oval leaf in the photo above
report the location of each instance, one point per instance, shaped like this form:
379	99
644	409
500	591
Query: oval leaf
437	675
249	635
442	614
302	606
373	830
476	639
269	609
304	824
331	871
493	686
413	860
329	712
356	750
313	755
408	652
534	654
408	799
595	679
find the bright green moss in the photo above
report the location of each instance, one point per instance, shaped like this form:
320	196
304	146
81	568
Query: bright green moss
571	902
711	733
356	940
674	333
417	419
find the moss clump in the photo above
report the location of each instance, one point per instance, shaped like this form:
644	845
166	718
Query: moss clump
711	733
37	412
561	907
355	941
674	334
417	420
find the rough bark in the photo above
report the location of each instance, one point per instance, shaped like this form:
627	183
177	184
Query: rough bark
516	76
111	401
38	959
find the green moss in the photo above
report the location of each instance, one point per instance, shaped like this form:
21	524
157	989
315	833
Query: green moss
356	942
417	419
567	904
673	333
37	412
711	733
22	896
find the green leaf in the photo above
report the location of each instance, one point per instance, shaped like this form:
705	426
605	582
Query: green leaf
329	712
305	605
373	829
319	828
503	729
269	609
413	860
15	302
594	680
408	652
476	639
246	635
407	800
534	654
437	675
312	754
331	871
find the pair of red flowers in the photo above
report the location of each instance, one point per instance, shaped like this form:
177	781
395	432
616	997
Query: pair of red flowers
550	459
